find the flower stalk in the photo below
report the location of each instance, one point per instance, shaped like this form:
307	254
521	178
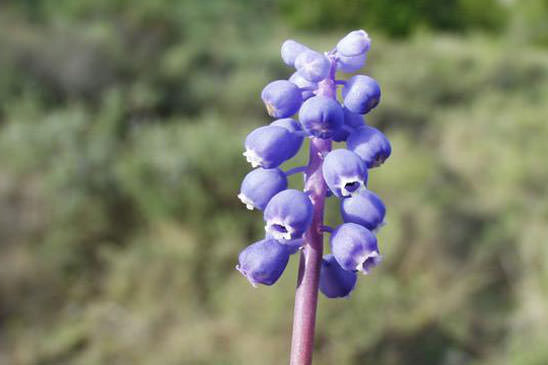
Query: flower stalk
306	294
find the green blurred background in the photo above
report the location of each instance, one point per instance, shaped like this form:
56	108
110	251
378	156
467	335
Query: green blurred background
121	131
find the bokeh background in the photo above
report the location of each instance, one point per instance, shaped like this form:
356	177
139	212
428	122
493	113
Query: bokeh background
121	131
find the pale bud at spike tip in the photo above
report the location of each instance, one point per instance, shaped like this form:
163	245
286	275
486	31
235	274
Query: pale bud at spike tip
313	66
352	63
291	50
354	43
260	185
355	248
344	172
336	282
263	262
288	215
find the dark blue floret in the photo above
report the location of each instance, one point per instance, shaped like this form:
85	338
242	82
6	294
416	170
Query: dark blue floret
335	282
263	262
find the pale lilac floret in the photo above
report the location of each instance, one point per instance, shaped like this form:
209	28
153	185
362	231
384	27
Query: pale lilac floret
355	248
354	43
307	87
263	262
290	50
344	173
370	144
361	94
335	282
365	209
321	116
270	146
351	63
288	215
312	65
260	185
281	98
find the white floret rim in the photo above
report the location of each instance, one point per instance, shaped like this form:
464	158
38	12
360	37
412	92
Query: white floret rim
377	258
345	180
253	158
248	202
287	236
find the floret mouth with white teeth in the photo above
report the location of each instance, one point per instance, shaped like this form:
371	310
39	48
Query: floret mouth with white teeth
368	262
279	231
350	187
253	158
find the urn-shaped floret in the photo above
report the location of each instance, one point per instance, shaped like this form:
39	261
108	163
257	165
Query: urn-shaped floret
354	43
282	98
365	209
263	262
321	116
335	282
355	248
361	94
370	144
344	172
313	65
291	50
307	87
260	185
352	63
288	215
270	146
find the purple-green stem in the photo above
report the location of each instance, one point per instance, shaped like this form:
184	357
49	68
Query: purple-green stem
306	295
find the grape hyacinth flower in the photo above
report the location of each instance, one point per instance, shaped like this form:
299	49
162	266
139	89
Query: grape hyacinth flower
307	87
260	185
336	282
370	144
291	50
365	209
263	262
354	43
293	218
355	248
282	98
312	65
262	146
361	94
321	116
344	172
288	214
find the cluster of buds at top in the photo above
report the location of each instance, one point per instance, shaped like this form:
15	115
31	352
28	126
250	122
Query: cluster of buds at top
312	93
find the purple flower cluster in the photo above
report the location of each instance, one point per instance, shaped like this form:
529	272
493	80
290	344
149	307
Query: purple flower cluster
288	213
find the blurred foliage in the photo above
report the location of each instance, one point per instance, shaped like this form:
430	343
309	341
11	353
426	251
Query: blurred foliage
398	17
121	129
